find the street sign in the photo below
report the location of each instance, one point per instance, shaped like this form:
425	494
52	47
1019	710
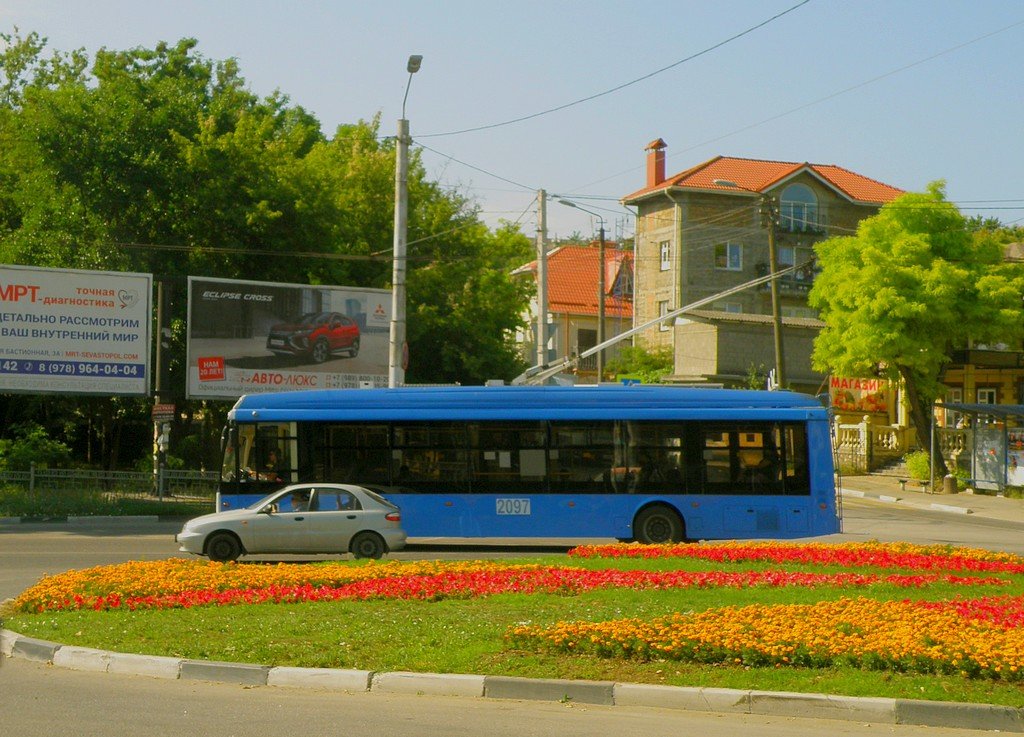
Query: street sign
163	412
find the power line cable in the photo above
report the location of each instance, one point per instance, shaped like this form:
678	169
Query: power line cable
826	98
622	86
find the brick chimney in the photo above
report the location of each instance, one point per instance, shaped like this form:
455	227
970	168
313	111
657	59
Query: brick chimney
655	162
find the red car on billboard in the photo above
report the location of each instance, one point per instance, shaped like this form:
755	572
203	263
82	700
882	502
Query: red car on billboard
318	335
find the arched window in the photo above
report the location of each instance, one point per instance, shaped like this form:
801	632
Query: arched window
798	208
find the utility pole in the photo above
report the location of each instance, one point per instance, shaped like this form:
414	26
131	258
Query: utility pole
398	350
600	303
768	216
542	278
162	394
396	344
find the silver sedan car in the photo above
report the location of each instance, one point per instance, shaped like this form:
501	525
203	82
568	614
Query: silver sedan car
303	518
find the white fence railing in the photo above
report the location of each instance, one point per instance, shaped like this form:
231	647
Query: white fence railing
865	447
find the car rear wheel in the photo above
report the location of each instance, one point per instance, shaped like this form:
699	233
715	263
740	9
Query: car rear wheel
658	524
223	547
353	351
367	545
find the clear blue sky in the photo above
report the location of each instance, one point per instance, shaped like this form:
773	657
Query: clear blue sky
903	91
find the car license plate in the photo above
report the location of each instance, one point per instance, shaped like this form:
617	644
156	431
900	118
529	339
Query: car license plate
513	506
276	341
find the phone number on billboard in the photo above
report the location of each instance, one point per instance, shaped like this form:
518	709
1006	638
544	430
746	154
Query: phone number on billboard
72	368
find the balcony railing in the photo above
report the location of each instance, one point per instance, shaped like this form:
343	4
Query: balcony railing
799	282
799	217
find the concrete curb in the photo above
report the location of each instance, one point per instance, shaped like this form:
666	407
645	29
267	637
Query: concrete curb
933	506
950	508
107	519
721	700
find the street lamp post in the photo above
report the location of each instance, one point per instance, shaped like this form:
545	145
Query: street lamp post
768	222
600	287
397	350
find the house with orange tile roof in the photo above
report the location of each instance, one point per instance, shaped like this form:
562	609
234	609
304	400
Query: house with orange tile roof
704	231
573	275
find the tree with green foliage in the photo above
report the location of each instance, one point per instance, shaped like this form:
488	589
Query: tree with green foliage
910	287
162	161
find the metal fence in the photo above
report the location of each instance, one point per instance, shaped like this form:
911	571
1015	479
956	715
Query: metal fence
166	485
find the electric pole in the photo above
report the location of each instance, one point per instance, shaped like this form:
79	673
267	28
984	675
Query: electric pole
768	221
542	278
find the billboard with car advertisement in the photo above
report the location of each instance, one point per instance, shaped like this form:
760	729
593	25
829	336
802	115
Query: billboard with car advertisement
67	331
248	337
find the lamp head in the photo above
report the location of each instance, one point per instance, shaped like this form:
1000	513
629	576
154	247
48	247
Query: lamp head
414	63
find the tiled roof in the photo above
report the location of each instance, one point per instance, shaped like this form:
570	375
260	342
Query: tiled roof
573	278
760	176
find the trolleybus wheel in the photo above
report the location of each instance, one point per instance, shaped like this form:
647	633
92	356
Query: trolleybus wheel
658	524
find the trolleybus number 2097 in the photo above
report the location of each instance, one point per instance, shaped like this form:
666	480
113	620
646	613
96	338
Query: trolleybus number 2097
513	506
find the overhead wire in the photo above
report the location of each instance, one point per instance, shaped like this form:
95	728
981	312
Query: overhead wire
624	85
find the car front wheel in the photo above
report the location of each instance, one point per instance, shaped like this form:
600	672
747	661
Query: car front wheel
367	545
321	351
223	547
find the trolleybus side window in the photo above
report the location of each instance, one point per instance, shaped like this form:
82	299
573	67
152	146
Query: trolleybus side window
582	457
508	457
354	454
656	456
431	456
754	458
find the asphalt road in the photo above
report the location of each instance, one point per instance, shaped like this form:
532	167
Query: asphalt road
43	700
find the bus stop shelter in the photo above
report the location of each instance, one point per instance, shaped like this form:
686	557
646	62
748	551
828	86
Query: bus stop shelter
996	443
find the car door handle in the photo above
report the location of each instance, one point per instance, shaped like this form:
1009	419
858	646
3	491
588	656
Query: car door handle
299	519
351	516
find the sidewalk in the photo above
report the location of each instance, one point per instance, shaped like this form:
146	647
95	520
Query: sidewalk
913	494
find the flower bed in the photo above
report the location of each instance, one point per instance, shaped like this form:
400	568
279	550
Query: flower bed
182	583
981	637
848	555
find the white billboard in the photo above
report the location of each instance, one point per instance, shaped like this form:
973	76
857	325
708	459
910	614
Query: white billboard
248	337
74	332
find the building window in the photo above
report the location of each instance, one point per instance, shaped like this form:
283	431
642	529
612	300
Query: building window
798	209
666	255
734	308
662	311
786	256
954	395
987	395
586	338
729	256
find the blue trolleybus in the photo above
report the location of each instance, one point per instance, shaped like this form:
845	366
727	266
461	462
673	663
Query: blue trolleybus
647	463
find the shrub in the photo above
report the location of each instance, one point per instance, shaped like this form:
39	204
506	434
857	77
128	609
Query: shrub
919	465
30	445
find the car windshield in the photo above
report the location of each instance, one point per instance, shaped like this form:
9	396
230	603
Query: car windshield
313	318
